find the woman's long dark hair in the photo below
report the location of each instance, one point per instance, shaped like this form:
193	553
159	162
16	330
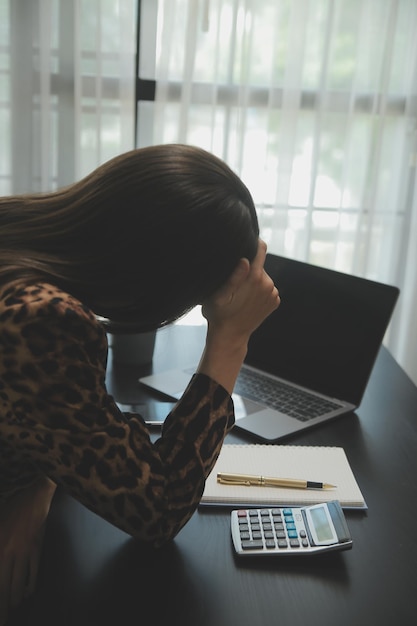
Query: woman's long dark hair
141	240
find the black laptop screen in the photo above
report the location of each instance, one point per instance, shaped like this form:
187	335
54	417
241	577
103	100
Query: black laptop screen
327	331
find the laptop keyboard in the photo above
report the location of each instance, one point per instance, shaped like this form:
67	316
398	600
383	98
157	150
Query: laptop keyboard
284	398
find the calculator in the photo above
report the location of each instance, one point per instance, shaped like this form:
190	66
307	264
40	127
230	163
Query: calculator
289	531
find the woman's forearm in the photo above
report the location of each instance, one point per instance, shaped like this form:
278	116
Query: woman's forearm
222	358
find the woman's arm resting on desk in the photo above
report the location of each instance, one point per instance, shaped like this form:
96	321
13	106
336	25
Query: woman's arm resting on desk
63	424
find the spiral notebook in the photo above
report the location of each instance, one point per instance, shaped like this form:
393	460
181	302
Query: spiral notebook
312	463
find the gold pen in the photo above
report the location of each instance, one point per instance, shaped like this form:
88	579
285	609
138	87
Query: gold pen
249	480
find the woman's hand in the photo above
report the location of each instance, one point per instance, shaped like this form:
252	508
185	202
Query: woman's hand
247	298
233	313
22	528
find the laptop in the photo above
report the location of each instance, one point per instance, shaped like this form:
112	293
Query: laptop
311	359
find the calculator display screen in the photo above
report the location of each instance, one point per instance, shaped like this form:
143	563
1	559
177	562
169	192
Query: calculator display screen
322	527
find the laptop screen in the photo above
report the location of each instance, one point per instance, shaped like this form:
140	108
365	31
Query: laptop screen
327	331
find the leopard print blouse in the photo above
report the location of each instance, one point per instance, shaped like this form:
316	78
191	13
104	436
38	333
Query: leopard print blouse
57	419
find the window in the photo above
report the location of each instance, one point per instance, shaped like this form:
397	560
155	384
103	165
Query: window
66	89
314	105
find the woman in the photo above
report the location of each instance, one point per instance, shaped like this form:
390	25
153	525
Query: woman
131	247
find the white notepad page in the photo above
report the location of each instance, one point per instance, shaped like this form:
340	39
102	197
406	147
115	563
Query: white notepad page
312	463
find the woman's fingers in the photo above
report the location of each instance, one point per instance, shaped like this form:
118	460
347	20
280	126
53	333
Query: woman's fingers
259	260
246	299
19	577
236	280
34	562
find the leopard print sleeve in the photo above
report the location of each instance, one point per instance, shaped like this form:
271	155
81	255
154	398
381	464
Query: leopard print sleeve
58	419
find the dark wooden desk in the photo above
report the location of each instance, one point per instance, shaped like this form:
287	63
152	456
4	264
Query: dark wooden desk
93	574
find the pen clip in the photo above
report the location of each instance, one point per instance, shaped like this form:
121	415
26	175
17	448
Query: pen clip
233	481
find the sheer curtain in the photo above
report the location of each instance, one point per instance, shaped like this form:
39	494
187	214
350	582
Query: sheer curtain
67	89
314	104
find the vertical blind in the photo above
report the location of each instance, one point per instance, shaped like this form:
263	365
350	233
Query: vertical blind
314	104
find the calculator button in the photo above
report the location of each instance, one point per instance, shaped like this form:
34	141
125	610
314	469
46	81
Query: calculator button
256	535
282	543
305	543
252	545
244	536
294	543
291	526
270	543
303	533
281	534
292	534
